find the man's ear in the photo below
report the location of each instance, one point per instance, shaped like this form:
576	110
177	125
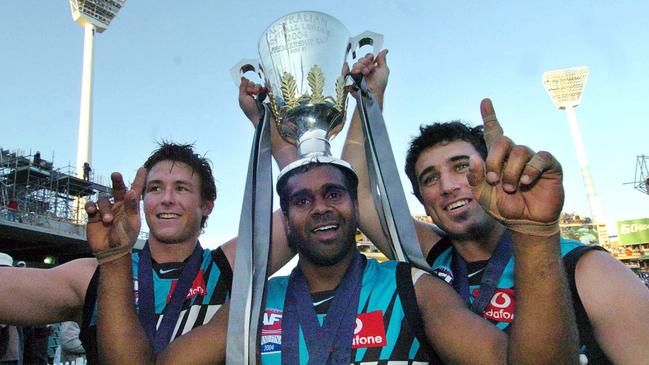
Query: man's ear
206	207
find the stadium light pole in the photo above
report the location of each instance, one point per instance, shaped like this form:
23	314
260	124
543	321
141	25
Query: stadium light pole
93	16
565	87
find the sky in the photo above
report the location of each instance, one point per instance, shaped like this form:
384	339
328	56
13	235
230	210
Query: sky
162	71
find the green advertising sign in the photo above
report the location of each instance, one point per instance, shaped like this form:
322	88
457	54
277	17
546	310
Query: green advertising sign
633	231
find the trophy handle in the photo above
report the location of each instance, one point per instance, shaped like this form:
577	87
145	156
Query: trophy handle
243	66
365	38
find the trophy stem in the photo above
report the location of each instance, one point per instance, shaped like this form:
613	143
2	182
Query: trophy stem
313	143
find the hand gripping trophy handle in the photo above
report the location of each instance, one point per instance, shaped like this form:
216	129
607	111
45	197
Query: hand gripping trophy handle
243	66
364	39
308	118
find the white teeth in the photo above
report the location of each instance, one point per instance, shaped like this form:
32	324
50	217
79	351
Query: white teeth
457	204
325	228
167	215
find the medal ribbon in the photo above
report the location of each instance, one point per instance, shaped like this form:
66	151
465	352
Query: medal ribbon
330	343
146	297
388	193
492	273
253	251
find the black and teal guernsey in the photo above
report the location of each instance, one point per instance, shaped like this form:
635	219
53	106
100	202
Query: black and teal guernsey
500	309
209	291
389	327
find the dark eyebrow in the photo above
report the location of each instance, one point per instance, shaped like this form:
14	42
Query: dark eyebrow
177	182
458	158
324	188
329	187
149	182
184	182
301	192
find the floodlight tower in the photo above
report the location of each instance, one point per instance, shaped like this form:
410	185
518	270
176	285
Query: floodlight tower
565	87
93	16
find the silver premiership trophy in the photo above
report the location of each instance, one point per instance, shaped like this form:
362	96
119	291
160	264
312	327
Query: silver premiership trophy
301	62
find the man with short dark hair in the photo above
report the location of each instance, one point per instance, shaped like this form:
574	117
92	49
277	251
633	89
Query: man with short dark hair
474	247
178	197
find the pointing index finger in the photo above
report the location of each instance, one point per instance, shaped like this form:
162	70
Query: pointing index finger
492	128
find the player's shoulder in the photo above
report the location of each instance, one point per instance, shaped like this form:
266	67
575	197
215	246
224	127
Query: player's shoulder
568	245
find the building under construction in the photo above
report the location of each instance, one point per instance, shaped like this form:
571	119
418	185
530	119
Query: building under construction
42	220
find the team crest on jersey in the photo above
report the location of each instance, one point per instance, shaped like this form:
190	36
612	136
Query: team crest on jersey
369	330
271	331
501	306
444	274
198	287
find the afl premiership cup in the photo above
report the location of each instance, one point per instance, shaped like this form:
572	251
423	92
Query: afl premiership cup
301	61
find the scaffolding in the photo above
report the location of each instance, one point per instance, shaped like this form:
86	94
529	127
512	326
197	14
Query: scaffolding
33	192
641	179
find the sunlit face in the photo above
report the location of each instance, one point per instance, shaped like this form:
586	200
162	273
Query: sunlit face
447	196
321	217
172	203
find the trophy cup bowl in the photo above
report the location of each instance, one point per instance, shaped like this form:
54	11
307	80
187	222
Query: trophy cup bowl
302	56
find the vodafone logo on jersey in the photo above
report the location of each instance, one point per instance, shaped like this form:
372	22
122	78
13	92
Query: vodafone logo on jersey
369	330
501	306
198	287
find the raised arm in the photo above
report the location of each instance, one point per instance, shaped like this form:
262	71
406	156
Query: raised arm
283	153
112	232
523	190
249	93
376	72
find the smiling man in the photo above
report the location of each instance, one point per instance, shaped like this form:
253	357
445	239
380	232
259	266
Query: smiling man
179	286
179	198
474	250
173	271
